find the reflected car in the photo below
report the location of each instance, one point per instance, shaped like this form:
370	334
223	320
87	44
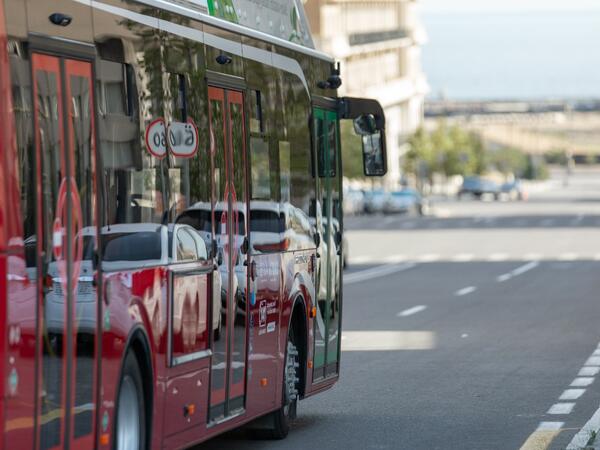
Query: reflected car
479	187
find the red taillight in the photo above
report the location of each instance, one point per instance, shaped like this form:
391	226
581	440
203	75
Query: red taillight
273	248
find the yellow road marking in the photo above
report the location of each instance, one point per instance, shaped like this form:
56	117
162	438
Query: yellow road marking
540	440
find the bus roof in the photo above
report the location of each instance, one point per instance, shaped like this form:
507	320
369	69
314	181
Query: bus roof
282	22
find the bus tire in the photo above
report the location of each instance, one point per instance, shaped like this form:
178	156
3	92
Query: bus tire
130	425
277	424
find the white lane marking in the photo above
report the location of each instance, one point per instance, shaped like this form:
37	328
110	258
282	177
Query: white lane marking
465	291
377	272
593	361
518	271
411	311
525	268
429	257
582	381
498	257
532	256
550	426
356	341
568	256
581	439
463	257
596	352
571	394
395	258
588	371
361	259
561	408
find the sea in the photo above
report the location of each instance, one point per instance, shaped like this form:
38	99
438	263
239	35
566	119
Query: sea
513	56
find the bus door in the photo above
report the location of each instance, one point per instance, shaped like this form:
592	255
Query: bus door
329	265
230	231
65	246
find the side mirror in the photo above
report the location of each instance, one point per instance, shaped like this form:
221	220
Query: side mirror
374	155
369	124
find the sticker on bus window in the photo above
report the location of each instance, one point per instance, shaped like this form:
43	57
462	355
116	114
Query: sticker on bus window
183	139
156	138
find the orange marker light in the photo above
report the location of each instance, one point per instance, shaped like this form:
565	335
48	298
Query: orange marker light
263	382
310	364
104	439
313	312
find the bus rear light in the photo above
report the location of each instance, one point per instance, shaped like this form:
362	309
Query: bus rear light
263	382
104	439
276	247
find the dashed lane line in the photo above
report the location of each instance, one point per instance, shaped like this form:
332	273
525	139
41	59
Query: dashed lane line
588	371
568	257
463	257
498	257
465	291
561	408
412	311
377	272
582	381
571	394
429	257
518	271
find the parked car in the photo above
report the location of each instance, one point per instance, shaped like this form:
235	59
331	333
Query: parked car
375	201
354	202
478	187
405	201
513	190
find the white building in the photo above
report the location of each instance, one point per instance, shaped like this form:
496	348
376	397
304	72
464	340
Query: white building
378	43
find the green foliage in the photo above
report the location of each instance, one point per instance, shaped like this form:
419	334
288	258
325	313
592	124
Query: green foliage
509	161
535	169
556	157
455	151
450	151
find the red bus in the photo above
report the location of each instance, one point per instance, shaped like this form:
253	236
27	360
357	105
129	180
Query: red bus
170	220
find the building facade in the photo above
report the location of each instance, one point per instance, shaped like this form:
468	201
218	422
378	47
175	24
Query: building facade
378	43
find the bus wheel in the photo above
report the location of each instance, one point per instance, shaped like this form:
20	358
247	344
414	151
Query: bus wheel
131	417
291	378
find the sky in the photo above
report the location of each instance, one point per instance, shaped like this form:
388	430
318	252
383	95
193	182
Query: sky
444	6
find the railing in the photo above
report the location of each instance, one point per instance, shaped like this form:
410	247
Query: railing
376	36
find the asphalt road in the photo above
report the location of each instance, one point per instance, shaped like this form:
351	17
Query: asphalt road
490	318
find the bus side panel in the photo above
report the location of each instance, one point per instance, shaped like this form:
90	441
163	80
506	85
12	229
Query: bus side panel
135	299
